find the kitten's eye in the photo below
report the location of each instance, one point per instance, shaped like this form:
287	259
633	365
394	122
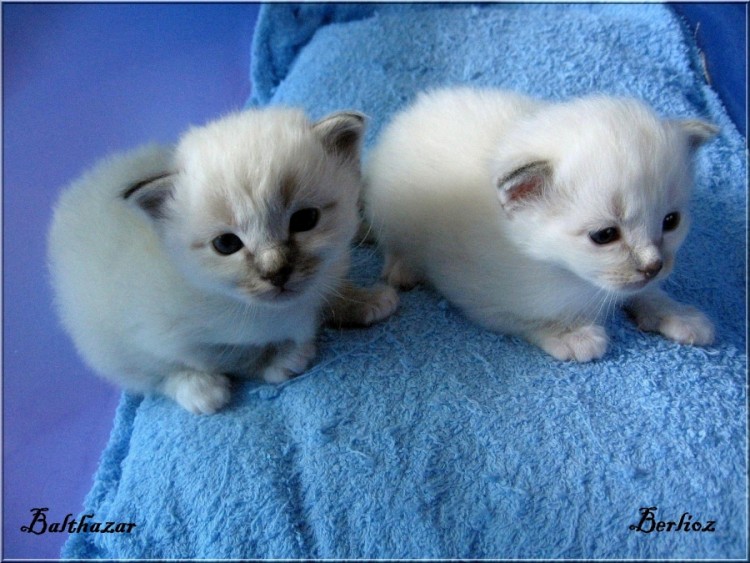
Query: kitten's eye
304	220
605	236
671	221
227	244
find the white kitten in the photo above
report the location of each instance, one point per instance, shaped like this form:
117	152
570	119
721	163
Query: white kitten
535	218
174	269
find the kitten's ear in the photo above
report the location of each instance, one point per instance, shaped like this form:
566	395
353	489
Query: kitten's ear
697	131
523	185
341	134
151	194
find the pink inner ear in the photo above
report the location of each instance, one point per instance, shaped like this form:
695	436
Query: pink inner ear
525	188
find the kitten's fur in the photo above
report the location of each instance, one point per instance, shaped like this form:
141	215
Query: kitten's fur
151	302
493	198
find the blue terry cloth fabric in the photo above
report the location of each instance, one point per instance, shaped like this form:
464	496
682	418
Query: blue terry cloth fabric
429	437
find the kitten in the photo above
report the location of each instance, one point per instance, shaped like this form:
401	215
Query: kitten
535	218
175	268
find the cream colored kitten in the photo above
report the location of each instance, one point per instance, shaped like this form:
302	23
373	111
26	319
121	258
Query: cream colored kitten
173	269
534	218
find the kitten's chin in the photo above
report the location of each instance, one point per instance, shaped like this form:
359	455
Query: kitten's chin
626	288
632	287
281	297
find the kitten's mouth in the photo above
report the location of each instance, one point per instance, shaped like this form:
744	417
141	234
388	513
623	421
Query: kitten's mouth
278	295
632	281
281	295
632	287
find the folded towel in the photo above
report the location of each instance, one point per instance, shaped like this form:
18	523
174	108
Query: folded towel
427	436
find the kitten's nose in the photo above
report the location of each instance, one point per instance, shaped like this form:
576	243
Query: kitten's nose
279	277
652	269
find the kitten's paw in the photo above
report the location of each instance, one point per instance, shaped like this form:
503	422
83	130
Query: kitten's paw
288	364
398	274
654	311
688	327
276	374
382	301
358	306
581	344
377	303
198	392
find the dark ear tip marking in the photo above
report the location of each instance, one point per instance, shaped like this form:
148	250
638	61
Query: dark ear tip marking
540	167
150	194
141	183
345	114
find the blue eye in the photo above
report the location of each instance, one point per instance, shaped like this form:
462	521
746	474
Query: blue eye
304	220
227	244
671	222
605	236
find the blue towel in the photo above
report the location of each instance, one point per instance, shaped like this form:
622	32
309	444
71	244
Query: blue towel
427	436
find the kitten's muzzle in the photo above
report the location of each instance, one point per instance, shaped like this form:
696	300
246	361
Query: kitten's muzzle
275	265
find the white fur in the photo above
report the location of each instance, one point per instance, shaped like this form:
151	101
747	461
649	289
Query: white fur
443	198
149	302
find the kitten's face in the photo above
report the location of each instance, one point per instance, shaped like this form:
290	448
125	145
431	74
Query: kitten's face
264	204
619	231
614	203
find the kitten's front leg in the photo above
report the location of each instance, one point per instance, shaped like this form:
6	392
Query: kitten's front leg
360	306
397	273
291	359
654	311
196	391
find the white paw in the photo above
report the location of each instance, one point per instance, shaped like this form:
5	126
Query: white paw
287	364
276	374
198	392
688	327
656	312
381	304
397	274
582	344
